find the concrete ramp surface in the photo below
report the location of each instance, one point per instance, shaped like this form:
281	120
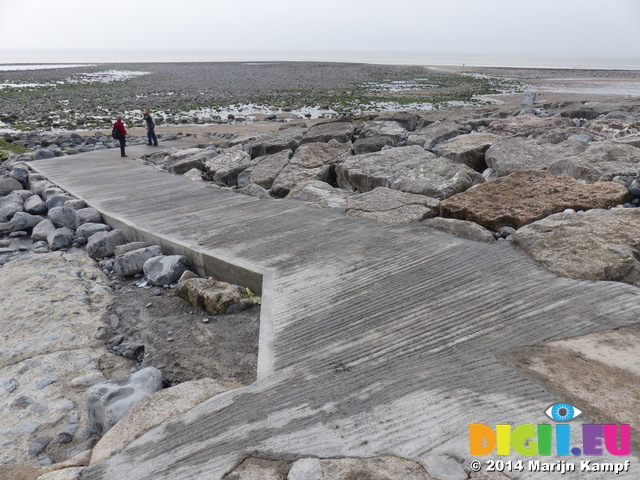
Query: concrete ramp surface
375	339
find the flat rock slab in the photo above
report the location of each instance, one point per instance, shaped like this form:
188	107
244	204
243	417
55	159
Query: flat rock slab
601	161
529	195
391	206
594	245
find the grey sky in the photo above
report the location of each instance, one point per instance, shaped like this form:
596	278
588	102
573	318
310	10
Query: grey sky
540	28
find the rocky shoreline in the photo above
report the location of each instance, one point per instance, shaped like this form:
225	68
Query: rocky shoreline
559	180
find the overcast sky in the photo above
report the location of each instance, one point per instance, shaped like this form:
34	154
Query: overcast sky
581	29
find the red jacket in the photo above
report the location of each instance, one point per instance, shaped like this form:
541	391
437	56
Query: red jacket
120	126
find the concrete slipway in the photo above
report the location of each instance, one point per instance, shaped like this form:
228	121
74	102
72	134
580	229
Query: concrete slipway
375	339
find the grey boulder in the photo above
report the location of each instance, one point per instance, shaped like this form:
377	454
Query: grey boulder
63	217
42	230
132	262
87	215
35	205
87	230
60	238
165	269
102	244
8	185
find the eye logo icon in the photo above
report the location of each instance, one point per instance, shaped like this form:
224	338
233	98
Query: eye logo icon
562	412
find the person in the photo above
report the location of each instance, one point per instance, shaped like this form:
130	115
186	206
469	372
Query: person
119	126
151	126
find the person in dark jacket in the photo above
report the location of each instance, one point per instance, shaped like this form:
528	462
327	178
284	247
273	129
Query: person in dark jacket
151	126
119	126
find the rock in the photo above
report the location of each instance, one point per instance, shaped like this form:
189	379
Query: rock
468	149
409	121
87	230
461	228
388	129
633	140
20	174
151	411
87	215
195	175
7	212
42	230
443	467
306	469
254	190
312	161
391	206
42	154
24	221
514	154
341	132
132	262
373	468
212	296
263	170
259	469
102	244
526	196
594	245
60	238
57	200
63	217
35	205
371	144
319	194
129	247
13	198
532	126
268	144
437	132
528	98
38	445
7	185
108	402
192	162
225	167
76	204
601	161
165	269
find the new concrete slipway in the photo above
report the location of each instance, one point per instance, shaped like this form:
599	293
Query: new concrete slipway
375	339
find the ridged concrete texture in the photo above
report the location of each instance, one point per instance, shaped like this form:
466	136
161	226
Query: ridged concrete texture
375	339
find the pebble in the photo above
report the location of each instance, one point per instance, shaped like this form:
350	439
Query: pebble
10	385
38	445
205	320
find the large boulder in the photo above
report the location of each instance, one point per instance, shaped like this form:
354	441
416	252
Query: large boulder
594	245
514	154
312	161
529	195
63	217
102	244
57	200
391	206
468	149
108	402
371	144
24	221
406	120
87	215
225	167
461	228
8	185
341	132
35	205
212	296
8	211
437	132
529	125
60	238
383	128
132	262
181	164
601	161
87	230
287	139
165	269
319	194
263	170
42	230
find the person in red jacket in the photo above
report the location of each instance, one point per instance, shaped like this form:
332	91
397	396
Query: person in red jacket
119	127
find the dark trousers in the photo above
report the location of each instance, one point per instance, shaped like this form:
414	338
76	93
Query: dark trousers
122	141
151	136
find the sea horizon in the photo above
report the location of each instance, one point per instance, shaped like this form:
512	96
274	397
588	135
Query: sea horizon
28	57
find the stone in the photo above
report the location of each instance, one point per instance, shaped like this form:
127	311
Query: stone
42	154
381	128
468	149
132	262
20	173
461	228
225	167
24	221
35	205
341	132
259	469
254	190
7	212
526	196
371	144
633	140
165	269
151	411
601	161
194	174
57	200
42	230
391	206
108	402
288	139
514	154
437	132
102	244
594	245
197	161
8	185
60	238
38	445
87	230
530	125
528	98
212	296
443	467
87	215
319	194
129	247
76	204
63	217
306	469
263	170
14	198
407	120
312	161
387	467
